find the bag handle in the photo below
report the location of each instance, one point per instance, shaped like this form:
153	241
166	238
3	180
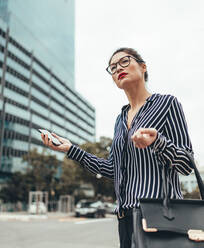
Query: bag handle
167	211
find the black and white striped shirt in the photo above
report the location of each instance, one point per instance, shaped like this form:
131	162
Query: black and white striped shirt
137	172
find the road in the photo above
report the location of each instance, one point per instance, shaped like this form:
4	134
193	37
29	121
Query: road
59	232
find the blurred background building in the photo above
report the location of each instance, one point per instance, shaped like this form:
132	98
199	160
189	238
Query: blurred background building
37	90
189	182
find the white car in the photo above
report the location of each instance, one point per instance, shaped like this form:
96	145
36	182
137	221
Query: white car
89	208
37	208
110	207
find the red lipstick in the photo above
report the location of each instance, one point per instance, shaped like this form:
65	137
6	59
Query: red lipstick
121	75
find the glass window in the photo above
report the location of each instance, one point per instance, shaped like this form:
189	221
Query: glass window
1	104
57	96
16	96
20	145
57	107
82	124
58	130
71	127
41	71
72	137
40	83
71	106
56	118
7	142
40	96
1	72
82	105
14	110
17	82
17	127
40	121
39	108
82	114
17	67
71	96
19	53
71	117
58	85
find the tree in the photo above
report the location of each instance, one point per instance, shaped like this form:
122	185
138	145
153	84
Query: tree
17	188
102	186
40	176
74	175
43	168
70	179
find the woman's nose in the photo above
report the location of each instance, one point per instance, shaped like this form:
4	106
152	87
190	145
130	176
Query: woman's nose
119	68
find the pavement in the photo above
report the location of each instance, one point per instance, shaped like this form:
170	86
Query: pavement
24	216
62	230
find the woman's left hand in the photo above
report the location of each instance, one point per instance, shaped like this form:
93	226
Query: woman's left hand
144	137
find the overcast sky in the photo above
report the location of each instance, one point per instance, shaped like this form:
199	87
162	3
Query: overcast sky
169	34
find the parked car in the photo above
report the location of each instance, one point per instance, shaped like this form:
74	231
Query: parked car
37	208
110	207
88	208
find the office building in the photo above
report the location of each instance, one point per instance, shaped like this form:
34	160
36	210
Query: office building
37	80
189	182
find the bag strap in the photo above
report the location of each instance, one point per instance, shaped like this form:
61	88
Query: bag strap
197	174
167	211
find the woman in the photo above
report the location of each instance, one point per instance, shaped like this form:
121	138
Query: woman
150	132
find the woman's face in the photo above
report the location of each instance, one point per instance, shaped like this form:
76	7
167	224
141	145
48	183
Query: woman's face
126	77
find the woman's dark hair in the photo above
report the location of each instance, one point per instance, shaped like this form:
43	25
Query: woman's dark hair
134	53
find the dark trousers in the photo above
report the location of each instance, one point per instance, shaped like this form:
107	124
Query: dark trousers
125	229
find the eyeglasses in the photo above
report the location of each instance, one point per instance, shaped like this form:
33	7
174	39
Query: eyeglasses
123	62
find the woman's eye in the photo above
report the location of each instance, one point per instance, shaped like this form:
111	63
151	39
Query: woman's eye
113	68
124	60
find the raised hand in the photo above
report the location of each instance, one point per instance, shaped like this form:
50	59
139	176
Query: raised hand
65	144
144	137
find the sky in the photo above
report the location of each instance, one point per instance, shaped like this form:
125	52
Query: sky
169	34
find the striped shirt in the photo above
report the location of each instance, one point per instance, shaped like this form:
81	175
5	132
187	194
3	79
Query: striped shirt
137	173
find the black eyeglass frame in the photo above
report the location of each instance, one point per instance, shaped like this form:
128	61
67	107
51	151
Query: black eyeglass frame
138	60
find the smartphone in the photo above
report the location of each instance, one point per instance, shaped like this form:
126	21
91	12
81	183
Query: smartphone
55	141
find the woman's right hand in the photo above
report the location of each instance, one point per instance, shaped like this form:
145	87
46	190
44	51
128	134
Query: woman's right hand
64	147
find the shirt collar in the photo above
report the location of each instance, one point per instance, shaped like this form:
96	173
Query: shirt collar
152	97
149	99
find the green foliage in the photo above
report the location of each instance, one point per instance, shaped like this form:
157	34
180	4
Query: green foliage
43	168
17	188
102	186
74	175
70	180
41	175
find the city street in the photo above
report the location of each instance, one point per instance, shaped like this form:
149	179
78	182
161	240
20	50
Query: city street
59	232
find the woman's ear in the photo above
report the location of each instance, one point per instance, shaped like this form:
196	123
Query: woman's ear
144	67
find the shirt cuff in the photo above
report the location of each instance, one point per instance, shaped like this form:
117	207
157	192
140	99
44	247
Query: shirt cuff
75	153
159	144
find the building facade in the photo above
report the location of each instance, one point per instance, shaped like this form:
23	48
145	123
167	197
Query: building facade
189	182
47	28
35	92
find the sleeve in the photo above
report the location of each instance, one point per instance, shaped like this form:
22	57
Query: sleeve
168	147
94	164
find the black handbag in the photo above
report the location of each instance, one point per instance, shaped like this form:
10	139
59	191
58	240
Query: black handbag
170	223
